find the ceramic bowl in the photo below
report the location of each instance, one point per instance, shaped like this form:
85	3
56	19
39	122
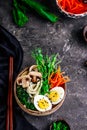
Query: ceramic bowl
68	13
59	120
35	112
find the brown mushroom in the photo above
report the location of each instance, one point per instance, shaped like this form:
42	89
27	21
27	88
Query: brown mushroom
35	75
24	81
19	80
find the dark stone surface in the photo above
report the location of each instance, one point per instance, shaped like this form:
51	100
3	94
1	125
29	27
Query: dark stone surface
64	37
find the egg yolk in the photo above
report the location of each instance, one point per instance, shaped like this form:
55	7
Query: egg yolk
54	96
43	104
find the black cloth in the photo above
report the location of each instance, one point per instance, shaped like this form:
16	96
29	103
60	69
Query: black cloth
9	46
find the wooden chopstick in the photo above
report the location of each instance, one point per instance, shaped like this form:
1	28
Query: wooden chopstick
9	116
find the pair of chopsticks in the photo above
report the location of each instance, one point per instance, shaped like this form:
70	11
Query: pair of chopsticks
9	115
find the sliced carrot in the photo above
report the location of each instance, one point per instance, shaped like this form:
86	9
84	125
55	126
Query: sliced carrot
64	4
72	2
69	5
57	78
73	6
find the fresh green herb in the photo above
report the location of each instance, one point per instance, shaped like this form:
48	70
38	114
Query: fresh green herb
19	14
41	10
60	125
23	97
46	65
54	125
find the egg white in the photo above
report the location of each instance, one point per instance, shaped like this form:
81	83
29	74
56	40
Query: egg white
60	92
39	97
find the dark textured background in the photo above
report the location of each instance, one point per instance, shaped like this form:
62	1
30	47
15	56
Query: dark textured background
64	37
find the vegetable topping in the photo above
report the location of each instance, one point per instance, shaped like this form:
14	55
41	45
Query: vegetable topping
46	65
60	125
41	83
73	6
57	78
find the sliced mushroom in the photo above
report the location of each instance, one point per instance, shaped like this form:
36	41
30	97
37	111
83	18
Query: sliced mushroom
33	68
35	75
19	80
34	79
24	81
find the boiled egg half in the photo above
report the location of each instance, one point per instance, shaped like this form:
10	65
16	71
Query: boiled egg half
42	103
56	95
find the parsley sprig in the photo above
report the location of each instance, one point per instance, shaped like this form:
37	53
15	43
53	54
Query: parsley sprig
23	96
